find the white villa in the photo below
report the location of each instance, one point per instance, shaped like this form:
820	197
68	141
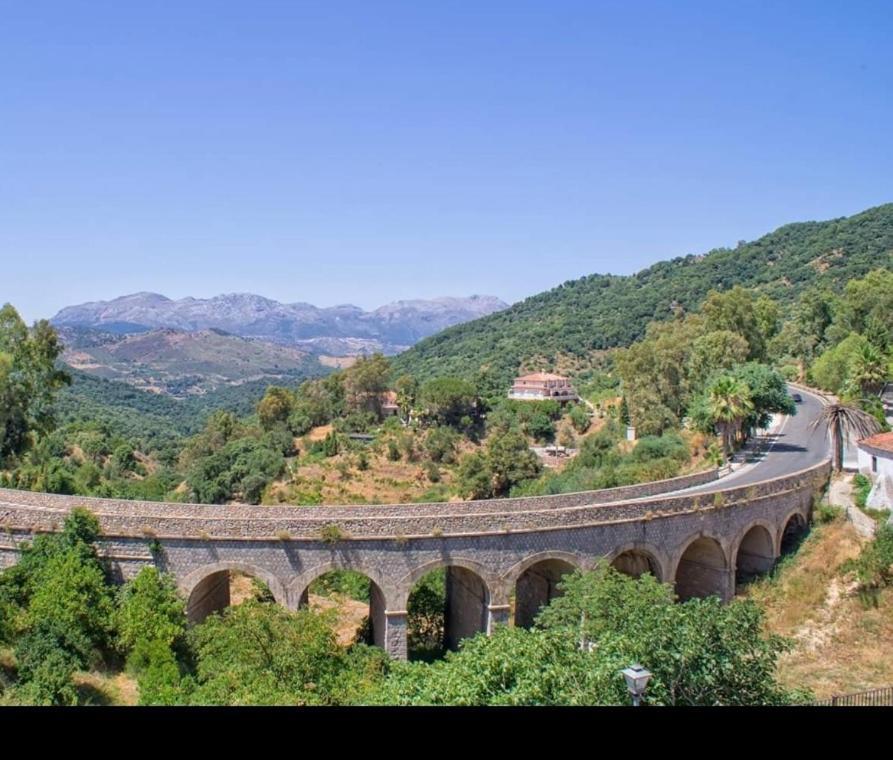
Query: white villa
542	386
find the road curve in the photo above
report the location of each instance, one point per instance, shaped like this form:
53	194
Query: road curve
795	446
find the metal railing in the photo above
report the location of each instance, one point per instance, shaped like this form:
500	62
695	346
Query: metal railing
871	698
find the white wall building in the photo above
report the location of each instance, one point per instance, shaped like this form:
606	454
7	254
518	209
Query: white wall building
876	462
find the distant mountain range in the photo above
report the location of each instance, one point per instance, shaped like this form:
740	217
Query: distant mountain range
193	347
337	331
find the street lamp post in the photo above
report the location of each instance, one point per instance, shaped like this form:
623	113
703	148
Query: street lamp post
637	679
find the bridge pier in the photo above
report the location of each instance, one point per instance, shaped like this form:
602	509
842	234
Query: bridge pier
467	606
394	634
497	614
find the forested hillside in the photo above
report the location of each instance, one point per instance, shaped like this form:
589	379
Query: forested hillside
604	311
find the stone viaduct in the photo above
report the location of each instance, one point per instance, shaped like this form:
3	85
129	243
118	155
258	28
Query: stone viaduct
494	551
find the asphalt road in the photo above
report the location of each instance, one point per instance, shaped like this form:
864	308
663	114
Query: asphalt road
795	446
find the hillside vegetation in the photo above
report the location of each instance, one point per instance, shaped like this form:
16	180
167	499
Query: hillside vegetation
604	311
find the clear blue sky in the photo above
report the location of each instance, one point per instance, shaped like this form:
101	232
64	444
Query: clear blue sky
362	152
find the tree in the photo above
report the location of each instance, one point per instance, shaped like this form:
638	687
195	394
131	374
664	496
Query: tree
730	402
473	477
510	462
717	350
736	310
407	389
448	400
868	371
262	654
29	380
701	652
831	370
150	609
47	655
275	407
579	417
365	382
440	443
768	394
844	422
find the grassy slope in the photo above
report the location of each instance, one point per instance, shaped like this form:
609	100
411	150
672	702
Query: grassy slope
604	311
839	646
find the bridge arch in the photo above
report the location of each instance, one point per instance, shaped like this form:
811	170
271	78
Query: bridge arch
702	569
206	589
636	558
535	581
469	592
754	551
794	528
379	593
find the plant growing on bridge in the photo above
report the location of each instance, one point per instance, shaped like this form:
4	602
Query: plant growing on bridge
332	533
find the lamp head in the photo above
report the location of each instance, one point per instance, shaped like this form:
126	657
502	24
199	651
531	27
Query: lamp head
637	679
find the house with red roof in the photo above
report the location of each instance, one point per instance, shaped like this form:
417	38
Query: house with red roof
543	386
876	462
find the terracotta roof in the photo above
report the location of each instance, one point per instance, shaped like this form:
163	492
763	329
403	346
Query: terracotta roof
539	377
882	441
389	398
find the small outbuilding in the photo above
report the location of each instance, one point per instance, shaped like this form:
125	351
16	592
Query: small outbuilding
876	462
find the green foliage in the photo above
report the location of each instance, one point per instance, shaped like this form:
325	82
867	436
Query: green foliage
365	382
510	462
29	380
579	417
276	407
874	565
348	582
332	533
160	677
826	513
47	655
440	443
448	401
71	589
149	609
861	489
59	605
831	369
701	652
227	461
604	311
425	616
473	477
261	654
670	446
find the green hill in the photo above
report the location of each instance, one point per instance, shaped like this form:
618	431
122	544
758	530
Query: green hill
605	311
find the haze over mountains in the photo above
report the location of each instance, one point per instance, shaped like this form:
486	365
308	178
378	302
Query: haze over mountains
338	331
195	346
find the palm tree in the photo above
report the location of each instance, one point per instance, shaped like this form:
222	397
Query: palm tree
868	372
845	421
730	402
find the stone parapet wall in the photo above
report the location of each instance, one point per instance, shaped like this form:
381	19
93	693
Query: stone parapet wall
337	511
45	512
